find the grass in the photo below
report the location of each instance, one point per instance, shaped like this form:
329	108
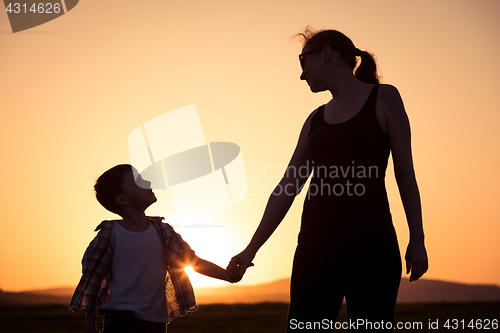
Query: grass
244	318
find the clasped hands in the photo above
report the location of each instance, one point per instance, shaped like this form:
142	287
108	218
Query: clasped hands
238	266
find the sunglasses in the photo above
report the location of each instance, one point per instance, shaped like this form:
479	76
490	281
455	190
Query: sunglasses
302	55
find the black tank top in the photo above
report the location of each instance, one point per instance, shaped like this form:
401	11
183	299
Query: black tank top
347	199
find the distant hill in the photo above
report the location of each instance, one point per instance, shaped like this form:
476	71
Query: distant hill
436	291
8	298
61	291
277	291
422	291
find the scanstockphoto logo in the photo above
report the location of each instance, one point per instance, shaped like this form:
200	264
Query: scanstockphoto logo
24	15
205	179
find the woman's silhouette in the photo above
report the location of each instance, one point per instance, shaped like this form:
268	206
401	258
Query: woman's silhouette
347	245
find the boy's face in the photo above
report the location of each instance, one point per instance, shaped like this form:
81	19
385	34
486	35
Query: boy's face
137	193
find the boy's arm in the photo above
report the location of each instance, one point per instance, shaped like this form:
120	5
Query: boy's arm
208	268
90	323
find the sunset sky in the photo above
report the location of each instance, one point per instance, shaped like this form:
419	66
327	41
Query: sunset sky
72	90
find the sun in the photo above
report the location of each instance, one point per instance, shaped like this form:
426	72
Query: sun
213	241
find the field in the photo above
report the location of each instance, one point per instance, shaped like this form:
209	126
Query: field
263	317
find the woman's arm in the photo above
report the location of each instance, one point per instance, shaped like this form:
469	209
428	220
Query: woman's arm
397	128
279	202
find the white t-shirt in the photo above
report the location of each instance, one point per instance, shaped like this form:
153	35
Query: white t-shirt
137	274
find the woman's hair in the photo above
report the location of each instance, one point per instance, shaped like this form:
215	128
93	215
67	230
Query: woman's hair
366	71
109	185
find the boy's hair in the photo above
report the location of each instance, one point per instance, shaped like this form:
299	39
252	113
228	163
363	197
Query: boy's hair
109	185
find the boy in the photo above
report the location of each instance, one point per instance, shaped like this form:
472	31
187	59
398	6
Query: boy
133	270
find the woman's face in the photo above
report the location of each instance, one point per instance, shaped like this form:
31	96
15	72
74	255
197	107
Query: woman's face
321	66
312	70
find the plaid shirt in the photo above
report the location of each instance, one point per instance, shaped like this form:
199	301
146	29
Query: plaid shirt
93	288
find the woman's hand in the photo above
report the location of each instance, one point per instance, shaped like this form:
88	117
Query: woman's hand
239	264
416	259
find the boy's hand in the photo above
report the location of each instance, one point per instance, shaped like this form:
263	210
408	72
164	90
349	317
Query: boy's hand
236	270
234	278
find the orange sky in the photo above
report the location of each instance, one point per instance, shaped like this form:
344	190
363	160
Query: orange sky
73	89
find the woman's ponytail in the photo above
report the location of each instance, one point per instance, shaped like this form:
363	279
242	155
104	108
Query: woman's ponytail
367	70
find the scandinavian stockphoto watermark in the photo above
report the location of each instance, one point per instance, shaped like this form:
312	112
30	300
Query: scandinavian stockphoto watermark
27	14
205	179
332	180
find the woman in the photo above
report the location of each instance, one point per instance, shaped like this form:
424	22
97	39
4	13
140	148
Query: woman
347	245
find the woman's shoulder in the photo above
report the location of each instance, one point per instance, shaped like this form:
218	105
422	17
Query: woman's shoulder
307	124
314	112
388	92
389	98
318	109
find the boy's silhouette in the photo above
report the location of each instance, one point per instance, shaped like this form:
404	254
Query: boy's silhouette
133	270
